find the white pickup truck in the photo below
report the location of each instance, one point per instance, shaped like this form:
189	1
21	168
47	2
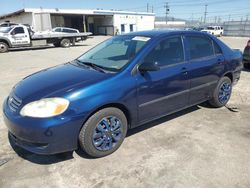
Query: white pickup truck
21	36
214	30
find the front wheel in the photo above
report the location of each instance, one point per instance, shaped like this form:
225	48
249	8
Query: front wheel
3	47
222	93
104	132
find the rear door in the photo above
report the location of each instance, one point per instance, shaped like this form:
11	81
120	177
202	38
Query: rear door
164	91
205	66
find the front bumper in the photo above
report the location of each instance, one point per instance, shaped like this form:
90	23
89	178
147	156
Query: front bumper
43	135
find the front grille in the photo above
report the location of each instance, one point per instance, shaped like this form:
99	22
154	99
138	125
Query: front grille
14	102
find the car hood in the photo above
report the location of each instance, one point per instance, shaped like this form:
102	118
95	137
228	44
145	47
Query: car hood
57	81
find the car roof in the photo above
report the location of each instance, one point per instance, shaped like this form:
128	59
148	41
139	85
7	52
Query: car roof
64	28
162	32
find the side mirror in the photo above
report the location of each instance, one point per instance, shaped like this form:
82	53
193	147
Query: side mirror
12	33
149	66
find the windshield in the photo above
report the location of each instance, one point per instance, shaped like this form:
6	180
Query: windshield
114	53
5	29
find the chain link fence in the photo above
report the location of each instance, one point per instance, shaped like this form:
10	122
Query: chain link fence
237	28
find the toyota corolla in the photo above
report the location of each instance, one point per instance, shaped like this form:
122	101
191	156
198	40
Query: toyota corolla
120	84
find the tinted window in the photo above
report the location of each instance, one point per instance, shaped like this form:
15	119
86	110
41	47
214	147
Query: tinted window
200	47
57	30
69	31
217	49
167	52
18	30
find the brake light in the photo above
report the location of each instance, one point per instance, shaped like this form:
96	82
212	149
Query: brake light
248	45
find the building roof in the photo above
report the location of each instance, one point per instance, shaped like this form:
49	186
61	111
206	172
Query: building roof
75	12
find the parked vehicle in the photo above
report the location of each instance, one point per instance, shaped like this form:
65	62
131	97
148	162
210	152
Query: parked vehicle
120	84
246	55
214	30
21	36
7	24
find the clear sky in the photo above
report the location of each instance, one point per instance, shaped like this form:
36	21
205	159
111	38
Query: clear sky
187	9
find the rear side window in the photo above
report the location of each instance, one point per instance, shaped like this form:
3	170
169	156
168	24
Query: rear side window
69	31
167	52
200	47
217	49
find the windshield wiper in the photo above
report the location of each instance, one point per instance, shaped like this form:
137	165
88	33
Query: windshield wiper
92	65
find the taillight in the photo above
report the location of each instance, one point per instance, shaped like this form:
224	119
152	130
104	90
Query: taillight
248	45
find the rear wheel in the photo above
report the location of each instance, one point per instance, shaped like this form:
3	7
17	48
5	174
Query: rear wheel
222	93
104	132
3	47
65	43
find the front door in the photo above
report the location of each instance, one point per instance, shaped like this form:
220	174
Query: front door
164	91
19	37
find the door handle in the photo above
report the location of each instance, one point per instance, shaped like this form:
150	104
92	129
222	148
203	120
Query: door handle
184	71
220	61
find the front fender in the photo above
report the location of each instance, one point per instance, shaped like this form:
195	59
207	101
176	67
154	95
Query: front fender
5	39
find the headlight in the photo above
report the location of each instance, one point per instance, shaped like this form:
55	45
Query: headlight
47	107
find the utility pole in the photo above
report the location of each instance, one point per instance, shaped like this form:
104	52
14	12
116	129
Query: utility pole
152	9
166	6
147	7
205	14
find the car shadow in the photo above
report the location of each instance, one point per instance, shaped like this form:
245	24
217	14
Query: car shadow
246	69
57	158
159	121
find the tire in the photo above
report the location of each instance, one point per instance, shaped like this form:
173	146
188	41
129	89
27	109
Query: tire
4	47
65	43
222	93
96	139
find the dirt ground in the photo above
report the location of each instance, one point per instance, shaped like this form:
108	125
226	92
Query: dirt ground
197	147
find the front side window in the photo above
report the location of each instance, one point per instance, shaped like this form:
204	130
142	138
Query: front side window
114	53
17	30
200	47
58	30
167	52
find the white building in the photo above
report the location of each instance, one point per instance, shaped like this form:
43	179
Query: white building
105	22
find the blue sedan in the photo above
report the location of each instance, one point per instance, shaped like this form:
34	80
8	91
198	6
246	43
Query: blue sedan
120	84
